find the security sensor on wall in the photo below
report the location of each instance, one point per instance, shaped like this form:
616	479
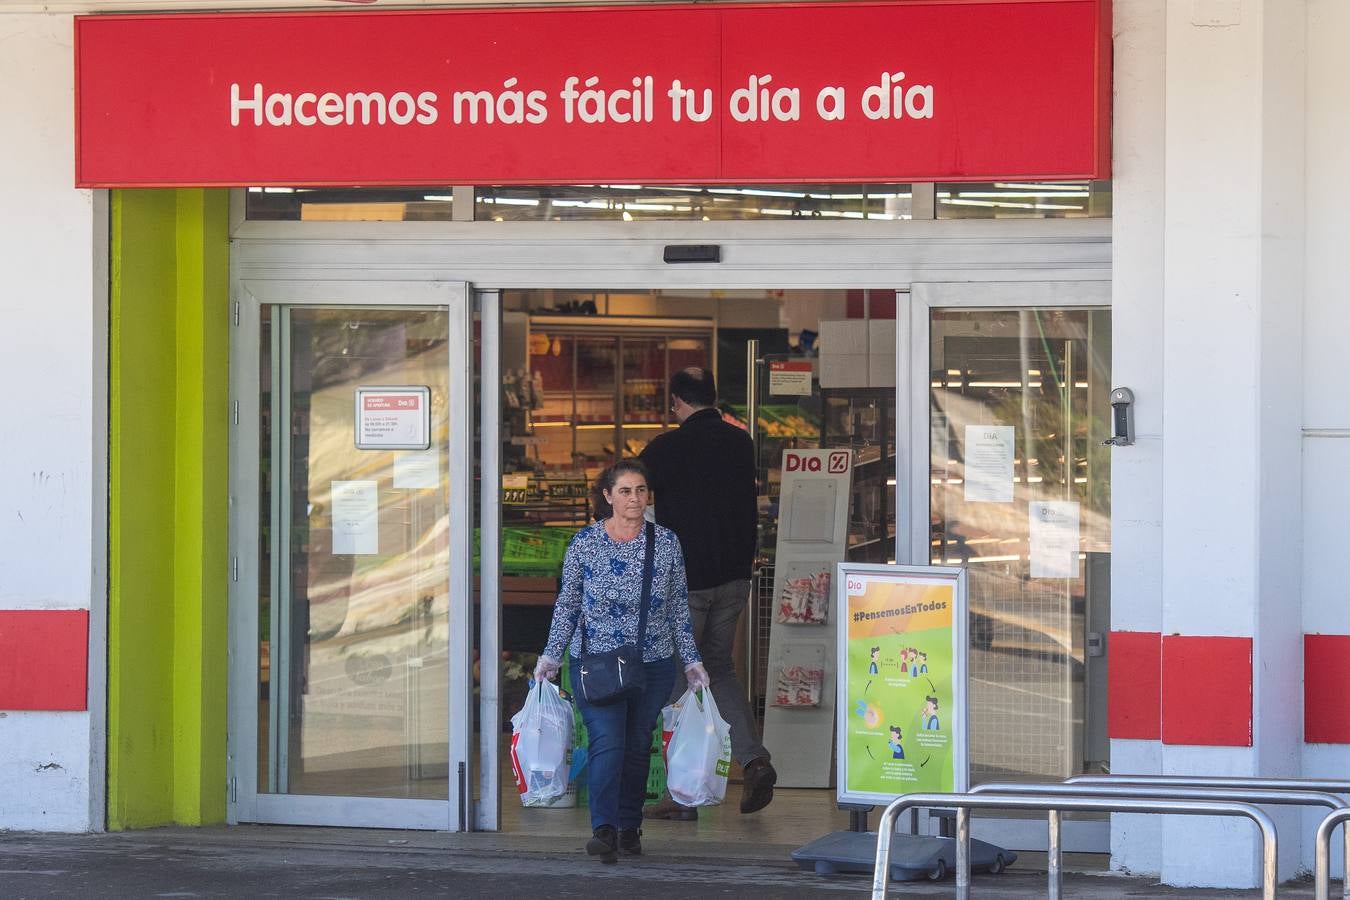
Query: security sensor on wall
1122	418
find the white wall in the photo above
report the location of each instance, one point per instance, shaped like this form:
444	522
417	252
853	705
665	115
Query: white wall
53	365
1326	339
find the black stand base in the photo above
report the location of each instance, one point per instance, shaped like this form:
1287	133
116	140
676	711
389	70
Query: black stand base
913	857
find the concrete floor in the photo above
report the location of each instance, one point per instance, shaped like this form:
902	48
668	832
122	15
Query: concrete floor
336	864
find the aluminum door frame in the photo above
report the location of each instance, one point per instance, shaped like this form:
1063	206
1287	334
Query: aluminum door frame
245	803
913	369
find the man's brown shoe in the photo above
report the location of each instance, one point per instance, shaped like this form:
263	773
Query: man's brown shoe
757	787
668	809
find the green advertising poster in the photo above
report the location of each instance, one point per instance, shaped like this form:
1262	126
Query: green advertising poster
902	692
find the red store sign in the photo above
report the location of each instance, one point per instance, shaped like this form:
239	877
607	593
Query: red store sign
943	90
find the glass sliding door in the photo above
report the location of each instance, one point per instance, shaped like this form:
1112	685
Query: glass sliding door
1010	388
357	609
1020	495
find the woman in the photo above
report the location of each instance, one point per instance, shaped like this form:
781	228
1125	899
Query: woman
602	580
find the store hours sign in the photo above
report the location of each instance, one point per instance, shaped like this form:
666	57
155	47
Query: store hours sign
393	418
804	92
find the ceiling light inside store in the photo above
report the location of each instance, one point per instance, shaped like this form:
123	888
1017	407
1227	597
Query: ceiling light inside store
756	192
1008	205
998	195
1032	186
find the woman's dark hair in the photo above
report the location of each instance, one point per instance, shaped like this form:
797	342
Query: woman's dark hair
694	386
605	482
933	700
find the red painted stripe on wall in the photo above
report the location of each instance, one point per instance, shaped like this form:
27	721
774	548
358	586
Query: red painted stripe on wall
1134	685
44	659
1326	688
1207	691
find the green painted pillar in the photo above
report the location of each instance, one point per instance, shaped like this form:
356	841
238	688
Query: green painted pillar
168	515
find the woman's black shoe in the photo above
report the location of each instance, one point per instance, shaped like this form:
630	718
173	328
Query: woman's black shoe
604	844
630	841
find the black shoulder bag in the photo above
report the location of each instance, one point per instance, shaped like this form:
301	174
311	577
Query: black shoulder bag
618	674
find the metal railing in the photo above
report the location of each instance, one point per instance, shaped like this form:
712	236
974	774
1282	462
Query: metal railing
1145	790
1328	785
1322	863
1331	786
1053	805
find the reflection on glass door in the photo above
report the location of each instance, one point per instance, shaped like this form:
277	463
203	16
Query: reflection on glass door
1020	496
353	623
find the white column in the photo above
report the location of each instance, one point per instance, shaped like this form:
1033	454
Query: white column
53	372
1232	297
1326	445
1137	330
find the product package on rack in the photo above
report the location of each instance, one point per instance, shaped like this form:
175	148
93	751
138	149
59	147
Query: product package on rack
541	744
805	600
798	686
698	755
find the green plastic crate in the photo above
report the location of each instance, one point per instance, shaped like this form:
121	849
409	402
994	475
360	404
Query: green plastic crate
656	772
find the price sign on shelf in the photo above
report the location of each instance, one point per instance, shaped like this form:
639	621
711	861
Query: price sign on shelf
393	417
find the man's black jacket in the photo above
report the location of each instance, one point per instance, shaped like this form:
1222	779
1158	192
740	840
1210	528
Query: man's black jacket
703	476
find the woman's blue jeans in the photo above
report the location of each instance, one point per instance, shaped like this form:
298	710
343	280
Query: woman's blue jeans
620	747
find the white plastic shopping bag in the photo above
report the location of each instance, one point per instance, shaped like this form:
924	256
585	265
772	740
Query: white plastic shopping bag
541	741
698	757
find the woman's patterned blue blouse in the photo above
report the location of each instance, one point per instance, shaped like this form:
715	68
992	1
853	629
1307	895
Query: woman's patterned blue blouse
603	579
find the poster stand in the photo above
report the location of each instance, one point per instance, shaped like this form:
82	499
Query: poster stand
900	713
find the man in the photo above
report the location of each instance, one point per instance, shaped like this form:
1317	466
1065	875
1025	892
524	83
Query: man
703	478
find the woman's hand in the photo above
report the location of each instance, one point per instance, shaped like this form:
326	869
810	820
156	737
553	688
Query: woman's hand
546	669
697	676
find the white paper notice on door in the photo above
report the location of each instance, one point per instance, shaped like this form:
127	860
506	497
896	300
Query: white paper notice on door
1054	538
356	517
989	463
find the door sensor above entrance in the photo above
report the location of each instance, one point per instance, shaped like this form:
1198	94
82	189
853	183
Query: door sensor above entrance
693	253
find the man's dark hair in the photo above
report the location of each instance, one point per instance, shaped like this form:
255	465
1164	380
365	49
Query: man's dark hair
694	386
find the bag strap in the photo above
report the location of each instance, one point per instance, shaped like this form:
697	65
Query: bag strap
648	569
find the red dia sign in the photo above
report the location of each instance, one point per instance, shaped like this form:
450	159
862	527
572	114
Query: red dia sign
924	90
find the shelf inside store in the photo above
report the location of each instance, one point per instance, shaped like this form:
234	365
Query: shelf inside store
863	462
781	422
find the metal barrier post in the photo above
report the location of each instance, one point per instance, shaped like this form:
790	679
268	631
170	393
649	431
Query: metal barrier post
1333	786
1054	870
1322	865
962	854
1180	790
1084	803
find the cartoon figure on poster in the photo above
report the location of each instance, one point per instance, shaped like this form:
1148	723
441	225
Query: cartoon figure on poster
899	664
897	751
930	714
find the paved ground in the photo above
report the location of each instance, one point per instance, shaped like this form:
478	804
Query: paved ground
337	864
